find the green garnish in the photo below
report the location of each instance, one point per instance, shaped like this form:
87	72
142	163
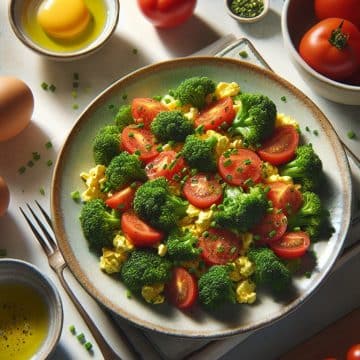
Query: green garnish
351	135
316	132
42	191
72	329
81	337
76	76
247	8
21	170
124	97
307	128
30	163
36	156
88	345
75	106
243	54
135	51
52	88
48	145
44	86
49	163
75	195
128	294
283	98
74	94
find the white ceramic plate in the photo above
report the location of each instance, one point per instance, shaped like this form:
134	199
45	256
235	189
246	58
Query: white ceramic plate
76	156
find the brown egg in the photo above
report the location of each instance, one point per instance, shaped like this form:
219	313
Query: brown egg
16	106
4	196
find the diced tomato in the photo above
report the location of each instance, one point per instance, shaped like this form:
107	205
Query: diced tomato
182	290
203	190
139	233
219	246
135	139
144	110
280	147
218	114
285	196
241	168
122	200
291	245
271	228
167	164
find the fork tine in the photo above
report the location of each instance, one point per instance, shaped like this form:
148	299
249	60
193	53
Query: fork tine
49	238
48	220
38	236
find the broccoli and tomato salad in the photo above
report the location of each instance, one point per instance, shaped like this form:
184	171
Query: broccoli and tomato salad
201	195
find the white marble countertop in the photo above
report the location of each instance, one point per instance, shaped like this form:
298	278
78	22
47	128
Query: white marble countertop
54	116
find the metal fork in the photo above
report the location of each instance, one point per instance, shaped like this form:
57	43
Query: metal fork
58	264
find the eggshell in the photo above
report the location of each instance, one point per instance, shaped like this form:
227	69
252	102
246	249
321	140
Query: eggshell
4	196
16	106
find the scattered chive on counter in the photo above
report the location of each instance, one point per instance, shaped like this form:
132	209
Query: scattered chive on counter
351	135
243	54
247	8
42	191
82	339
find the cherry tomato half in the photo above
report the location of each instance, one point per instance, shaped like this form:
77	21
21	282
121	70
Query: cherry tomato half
144	110
353	353
325	53
219	246
345	9
291	245
216	114
280	147
135	139
166	164
167	13
271	228
139	233
285	196
203	190
182	290
241	168
122	200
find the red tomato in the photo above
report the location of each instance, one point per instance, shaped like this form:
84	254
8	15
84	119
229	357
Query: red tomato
165	164
144	110
219	247
135	139
285	196
353	353
317	48
271	228
182	290
167	13
345	9
122	200
203	190
216	114
280	147
139	233
242	167
291	245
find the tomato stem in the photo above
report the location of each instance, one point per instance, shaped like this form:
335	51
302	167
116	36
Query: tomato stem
338	38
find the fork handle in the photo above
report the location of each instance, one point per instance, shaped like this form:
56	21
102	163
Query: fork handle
107	352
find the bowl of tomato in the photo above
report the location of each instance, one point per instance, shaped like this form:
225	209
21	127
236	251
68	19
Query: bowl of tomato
160	194
323	40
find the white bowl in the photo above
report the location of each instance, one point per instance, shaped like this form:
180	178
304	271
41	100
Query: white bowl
297	17
112	18
246	19
21	273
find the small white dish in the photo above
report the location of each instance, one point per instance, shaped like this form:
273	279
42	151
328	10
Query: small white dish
25	279
243	19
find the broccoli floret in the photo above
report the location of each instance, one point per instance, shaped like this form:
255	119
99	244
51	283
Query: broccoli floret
145	267
155	204
123	170
171	125
182	246
216	287
305	169
123	117
312	217
194	91
269	270
241	211
106	144
200	154
255	121
98	225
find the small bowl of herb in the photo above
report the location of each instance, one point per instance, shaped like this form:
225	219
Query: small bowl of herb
247	11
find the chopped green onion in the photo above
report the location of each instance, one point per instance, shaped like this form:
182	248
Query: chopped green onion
307	128
74	94
244	54
75	195
88	345
72	329
35	156
315	132
128	294
42	191
48	145
124	97
44	86
283	98
81	337
135	51
49	163
30	163
52	88
76	76
21	170
351	134
75	106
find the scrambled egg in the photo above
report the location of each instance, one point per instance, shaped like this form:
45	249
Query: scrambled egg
224	89
112	259
243	268
277	177
245	292
170	102
162	249
192	113
247	240
222	144
153	294
282	119
268	170
197	220
93	180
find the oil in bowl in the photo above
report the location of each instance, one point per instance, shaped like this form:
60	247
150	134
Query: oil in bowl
63	25
31	315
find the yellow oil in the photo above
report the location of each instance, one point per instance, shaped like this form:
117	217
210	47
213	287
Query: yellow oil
24	322
98	11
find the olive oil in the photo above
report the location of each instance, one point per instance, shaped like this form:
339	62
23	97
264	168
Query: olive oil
24	321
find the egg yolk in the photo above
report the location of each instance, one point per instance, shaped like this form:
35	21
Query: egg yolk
63	19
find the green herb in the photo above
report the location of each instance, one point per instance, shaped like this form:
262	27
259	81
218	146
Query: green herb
75	106
81	338
247	8
351	135
137	152
128	294
307	128
159	148
74	94
42	191
272	233
316	132
308	274
76	76
243	54
21	170
75	85
75	195
3	252
283	98
205	234
124	97
256	237
36	156
229	177
111	106
135	51
52	88
247	162
49	163
88	345
48	145
72	329
44	86
227	162
30	163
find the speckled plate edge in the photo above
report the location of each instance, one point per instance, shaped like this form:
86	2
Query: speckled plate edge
342	163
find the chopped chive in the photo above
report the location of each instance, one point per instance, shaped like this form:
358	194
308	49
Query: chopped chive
256	237
247	162
205	234
76	76
227	162
75	195
3	252
229	177
75	85
272	233
72	329
131	135
307	128
81	337
193	172
124	97
315	132
49	163
42	191
44	86
88	345
159	148
248	182
283	98
128	294
35	156
243	54
135	51
52	88
137	152
75	106
233	250
48	145
351	134
30	163
176	177
74	94
111	106
21	170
